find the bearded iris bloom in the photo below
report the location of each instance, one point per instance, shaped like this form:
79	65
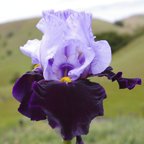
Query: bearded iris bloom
57	89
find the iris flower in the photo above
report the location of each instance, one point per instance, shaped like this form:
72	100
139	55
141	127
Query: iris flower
57	89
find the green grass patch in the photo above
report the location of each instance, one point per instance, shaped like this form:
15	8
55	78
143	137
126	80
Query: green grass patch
120	130
9	116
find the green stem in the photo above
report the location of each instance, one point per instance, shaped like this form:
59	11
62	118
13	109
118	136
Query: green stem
66	142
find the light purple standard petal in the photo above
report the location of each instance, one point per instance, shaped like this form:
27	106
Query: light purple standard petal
80	27
58	28
60	14
50	22
71	59
49	74
31	49
54	30
78	24
67	58
89	56
102	57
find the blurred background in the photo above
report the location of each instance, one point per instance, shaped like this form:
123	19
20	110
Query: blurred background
121	23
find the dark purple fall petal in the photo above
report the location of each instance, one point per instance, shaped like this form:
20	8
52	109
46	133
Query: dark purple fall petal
129	83
23	85
22	91
70	107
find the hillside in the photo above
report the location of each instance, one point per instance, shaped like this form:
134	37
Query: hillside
133	23
100	26
14	35
130	25
130	58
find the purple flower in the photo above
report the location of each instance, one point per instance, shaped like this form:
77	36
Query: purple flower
68	47
58	89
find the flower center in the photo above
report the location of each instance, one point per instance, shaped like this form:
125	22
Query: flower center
66	79
65	68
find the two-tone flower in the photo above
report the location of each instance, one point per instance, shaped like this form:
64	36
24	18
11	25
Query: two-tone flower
58	89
